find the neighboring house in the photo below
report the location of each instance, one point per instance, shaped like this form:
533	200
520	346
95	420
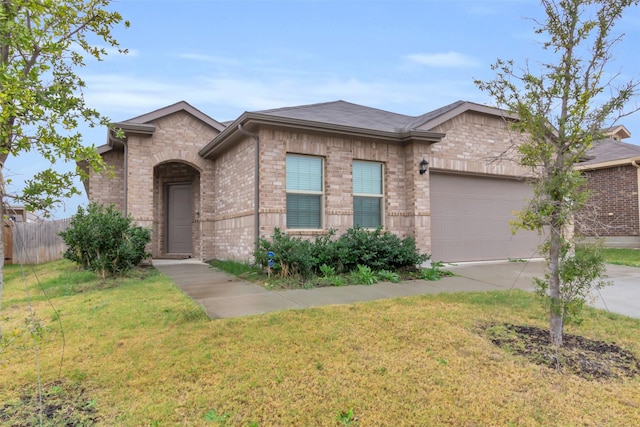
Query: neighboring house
613	170
18	213
208	190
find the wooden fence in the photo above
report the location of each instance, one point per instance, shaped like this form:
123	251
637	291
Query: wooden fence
33	242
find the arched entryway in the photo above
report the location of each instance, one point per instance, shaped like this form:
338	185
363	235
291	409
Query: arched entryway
176	210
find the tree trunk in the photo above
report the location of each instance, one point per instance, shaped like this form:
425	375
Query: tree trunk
1	239
556	312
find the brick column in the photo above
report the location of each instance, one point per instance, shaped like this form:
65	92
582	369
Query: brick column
418	196
140	181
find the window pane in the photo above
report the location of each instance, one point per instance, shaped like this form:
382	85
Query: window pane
367	212
303	211
304	173
367	178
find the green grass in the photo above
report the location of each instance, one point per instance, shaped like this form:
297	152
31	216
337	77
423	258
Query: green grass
138	352
630	257
238	268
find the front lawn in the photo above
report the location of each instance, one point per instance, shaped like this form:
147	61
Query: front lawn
630	257
138	352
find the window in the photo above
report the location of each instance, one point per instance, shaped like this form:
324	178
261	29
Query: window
304	191
367	194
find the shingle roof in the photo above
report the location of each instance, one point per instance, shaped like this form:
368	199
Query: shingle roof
353	119
346	114
609	150
359	116
431	115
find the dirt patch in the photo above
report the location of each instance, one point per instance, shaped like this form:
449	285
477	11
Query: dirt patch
61	404
589	359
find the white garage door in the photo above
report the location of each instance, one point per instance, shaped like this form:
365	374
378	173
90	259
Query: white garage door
470	218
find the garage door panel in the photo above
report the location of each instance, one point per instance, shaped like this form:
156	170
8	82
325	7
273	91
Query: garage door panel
470	217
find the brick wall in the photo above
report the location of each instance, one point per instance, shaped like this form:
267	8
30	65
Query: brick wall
613	206
477	143
228	205
105	188
402	211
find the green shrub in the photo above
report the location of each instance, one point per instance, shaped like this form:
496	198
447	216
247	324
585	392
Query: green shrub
375	249
292	256
434	272
105	241
327	271
364	275
388	276
357	247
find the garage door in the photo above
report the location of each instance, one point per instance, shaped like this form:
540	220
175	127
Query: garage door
470	218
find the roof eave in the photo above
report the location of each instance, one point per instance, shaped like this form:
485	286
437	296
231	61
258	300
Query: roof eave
609	164
468	106
137	128
174	108
253	119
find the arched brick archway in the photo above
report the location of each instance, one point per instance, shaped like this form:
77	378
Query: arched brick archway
176	210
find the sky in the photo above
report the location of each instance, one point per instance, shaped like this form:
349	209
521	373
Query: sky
226	57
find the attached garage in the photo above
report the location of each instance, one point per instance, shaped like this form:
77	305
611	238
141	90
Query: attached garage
470	218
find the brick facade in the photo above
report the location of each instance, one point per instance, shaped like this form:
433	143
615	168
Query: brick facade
108	188
338	153
478	143
224	202
228	215
169	156
614	202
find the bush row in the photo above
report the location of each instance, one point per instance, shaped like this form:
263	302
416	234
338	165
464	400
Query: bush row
291	256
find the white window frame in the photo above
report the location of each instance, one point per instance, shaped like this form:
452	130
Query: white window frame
379	196
308	192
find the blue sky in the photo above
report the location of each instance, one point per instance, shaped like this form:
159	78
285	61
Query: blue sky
227	57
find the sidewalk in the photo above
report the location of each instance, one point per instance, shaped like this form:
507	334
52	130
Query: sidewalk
223	295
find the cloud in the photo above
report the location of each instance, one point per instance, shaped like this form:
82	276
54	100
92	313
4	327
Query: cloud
224	98
443	60
210	59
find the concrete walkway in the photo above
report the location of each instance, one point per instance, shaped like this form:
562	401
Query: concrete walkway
224	295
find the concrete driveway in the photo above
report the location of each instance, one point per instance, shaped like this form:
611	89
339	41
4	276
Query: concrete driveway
622	297
223	295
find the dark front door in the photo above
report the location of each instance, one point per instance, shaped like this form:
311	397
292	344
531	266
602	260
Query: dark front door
179	219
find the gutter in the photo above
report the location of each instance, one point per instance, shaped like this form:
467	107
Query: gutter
256	189
126	176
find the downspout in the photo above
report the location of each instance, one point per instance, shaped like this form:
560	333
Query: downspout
126	175
637	166
256	190
125	164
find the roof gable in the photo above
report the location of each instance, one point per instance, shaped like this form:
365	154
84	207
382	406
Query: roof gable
171	109
617	133
435	118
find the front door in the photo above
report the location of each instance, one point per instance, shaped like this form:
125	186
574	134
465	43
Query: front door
179	217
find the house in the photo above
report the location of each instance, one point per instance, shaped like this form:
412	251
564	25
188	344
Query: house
612	168
209	189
